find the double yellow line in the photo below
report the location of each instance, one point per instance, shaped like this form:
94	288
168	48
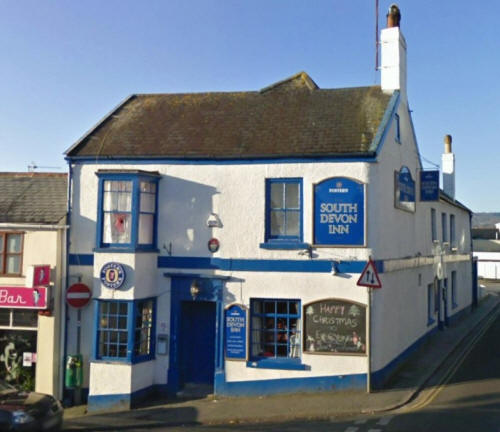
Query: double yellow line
424	401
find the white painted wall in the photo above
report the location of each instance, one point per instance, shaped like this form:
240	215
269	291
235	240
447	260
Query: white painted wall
188	194
488	265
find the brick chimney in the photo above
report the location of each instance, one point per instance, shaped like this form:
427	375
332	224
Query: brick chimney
448	168
393	47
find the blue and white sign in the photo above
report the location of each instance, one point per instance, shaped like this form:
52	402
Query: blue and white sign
236	332
404	187
112	275
429	185
339	212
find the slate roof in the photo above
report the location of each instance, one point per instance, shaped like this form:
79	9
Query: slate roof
292	118
37	198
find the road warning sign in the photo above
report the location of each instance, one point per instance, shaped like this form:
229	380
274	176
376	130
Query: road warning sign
369	277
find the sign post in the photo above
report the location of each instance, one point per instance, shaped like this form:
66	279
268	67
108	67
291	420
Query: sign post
369	279
78	296
369	342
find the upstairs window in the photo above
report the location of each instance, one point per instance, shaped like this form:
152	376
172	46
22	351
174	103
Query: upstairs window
433	225
127	210
284	210
398	128
453	240
444	227
11	253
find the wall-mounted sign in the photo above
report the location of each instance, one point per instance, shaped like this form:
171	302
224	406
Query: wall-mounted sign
23	298
339	212
429	185
369	276
213	245
112	275
404	190
236	332
78	295
335	326
41	275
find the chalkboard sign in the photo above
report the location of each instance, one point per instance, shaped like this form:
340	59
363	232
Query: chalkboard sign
335	326
236	332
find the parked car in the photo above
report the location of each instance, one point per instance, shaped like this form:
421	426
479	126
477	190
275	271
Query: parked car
28	411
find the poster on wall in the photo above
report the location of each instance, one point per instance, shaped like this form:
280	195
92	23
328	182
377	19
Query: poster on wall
236	332
404	190
14	368
339	212
335	326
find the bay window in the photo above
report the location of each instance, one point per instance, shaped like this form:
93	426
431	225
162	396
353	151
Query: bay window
125	330
127	210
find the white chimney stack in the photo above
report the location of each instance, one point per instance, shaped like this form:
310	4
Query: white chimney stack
448	168
393	46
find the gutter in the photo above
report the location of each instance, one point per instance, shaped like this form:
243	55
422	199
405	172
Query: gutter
33	226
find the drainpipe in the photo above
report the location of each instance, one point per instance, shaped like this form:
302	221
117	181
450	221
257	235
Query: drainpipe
64	308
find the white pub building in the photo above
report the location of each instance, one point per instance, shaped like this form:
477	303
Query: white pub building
223	236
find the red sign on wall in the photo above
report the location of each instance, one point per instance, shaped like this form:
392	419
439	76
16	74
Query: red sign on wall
41	275
23	298
78	295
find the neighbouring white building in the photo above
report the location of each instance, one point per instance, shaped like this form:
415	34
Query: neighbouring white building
486	246
223	236
32	279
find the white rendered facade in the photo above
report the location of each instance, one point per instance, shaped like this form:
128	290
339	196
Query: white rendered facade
426	273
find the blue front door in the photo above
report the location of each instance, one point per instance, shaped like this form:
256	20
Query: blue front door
197	342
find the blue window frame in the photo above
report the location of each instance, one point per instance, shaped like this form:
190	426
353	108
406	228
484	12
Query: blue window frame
433	225
275	329
430	304
453	242
454	303
125	330
127	210
444	227
284	211
398	128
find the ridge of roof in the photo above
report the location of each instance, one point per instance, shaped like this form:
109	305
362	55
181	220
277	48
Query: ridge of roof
19	174
302	79
291	118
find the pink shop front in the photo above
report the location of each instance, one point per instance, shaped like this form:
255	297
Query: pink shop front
19	314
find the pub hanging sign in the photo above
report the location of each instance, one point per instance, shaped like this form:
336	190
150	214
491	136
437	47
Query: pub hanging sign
339	212
429	185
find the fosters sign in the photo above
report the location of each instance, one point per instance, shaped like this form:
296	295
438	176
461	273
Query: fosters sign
339	212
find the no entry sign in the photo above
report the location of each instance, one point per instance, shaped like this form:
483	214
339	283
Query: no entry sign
78	295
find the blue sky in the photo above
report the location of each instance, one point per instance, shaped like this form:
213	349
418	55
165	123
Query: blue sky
65	64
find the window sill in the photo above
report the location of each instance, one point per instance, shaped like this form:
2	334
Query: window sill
283	364
123	361
284	245
126	250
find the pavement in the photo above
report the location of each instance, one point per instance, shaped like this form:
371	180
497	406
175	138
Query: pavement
412	377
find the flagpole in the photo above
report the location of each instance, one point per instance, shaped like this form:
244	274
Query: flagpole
376	35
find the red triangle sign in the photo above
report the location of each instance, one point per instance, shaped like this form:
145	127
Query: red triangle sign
369	277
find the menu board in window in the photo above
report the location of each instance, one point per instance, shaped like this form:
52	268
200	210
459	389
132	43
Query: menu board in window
335	326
